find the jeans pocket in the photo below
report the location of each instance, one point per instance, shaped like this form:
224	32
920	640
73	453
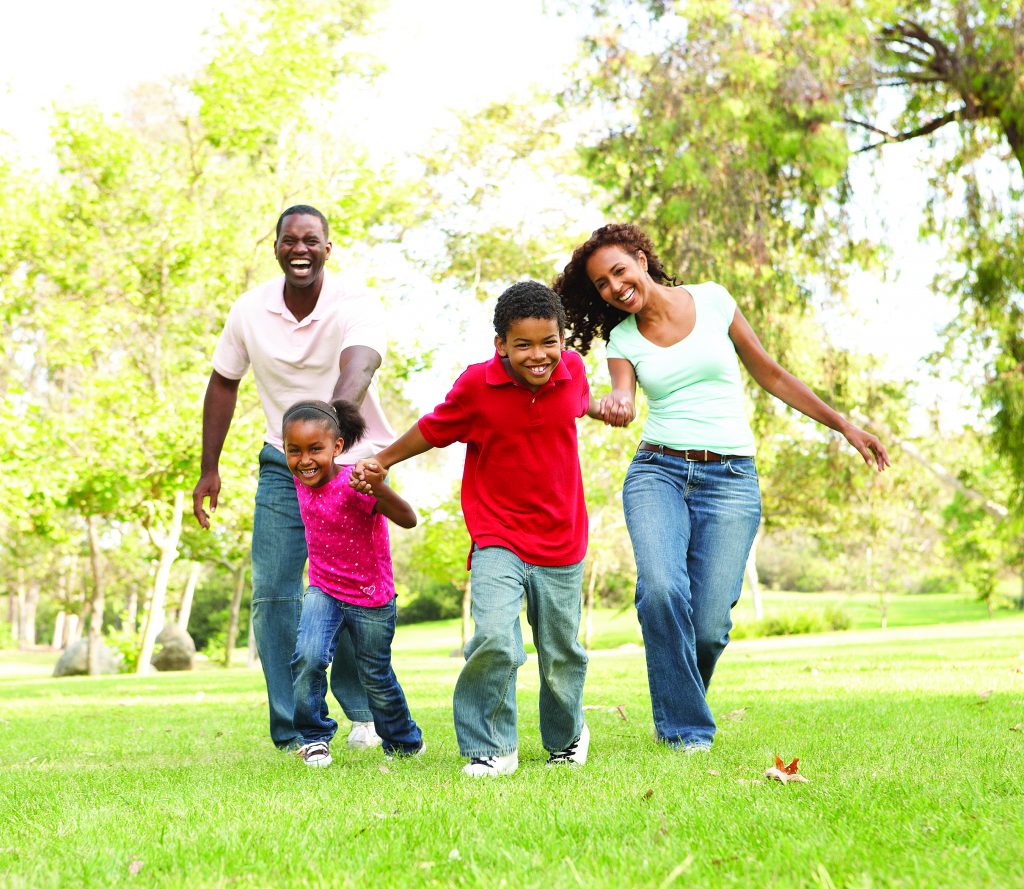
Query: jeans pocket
744	467
644	456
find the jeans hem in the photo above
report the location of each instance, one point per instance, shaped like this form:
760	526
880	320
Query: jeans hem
470	754
358	715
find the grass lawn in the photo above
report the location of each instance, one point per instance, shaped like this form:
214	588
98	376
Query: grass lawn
911	741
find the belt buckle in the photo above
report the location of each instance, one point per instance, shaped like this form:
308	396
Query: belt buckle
696	455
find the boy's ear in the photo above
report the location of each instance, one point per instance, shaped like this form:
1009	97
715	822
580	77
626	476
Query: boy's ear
499	344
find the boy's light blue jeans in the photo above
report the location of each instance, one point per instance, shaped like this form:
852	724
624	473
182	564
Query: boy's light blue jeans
691	525
278	560
485	694
372	630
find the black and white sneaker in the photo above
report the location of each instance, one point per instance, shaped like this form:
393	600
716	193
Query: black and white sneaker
492	766
316	754
575	754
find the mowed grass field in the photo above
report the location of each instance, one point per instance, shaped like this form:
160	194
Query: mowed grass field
911	740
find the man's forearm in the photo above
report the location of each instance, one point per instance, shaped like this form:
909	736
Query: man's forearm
357	366
218	409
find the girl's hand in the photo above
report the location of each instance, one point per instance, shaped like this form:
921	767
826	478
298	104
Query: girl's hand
868	446
617	408
365	474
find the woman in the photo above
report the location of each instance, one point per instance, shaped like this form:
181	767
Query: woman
691	494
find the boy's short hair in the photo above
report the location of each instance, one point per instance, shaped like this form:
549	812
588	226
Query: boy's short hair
342	419
527	299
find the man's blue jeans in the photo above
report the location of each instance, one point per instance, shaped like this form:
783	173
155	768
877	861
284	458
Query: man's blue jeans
485	693
372	630
691	525
278	560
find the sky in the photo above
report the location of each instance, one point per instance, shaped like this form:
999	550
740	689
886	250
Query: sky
445	55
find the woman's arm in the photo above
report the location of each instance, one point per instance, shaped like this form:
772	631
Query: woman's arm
771	377
617	407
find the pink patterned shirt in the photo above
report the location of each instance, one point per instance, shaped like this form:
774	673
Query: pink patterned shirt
349	550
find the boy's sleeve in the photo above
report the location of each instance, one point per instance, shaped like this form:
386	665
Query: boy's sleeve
451	420
231	357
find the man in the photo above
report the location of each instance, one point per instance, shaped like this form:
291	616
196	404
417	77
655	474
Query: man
305	336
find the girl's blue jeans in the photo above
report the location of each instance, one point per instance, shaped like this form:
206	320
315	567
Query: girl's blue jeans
278	560
372	630
485	693
691	525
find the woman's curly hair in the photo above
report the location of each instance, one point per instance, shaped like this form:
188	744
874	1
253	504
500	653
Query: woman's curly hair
587	314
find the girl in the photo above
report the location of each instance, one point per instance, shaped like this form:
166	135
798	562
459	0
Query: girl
350	580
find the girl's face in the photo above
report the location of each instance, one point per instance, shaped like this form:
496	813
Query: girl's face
620	277
310	447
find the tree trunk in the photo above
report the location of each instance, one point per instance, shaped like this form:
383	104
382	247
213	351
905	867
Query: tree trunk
588	625
131	619
72	631
168	547
58	630
1020	601
18	615
97	604
185	611
751	572
236	606
467	613
28	615
252	657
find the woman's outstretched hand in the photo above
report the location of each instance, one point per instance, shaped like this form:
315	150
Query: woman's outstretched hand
616	408
868	446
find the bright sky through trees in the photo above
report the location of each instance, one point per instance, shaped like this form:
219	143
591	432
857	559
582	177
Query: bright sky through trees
438	57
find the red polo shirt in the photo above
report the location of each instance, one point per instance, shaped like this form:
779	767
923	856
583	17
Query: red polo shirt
521	485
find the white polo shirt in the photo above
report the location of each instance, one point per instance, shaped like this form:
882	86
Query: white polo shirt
298	360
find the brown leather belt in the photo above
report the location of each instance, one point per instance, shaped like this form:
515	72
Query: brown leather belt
698	455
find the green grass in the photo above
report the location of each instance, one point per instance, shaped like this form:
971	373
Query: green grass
915	778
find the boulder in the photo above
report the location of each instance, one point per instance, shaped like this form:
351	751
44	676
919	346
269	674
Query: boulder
75	660
175	650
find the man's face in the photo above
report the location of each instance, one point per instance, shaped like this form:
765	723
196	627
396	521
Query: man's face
302	249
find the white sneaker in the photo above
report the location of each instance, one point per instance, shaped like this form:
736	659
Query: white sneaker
363	736
316	754
492	766
575	754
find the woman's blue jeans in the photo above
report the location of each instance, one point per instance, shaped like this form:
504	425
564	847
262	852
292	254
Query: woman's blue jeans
691	525
485	693
372	631
278	560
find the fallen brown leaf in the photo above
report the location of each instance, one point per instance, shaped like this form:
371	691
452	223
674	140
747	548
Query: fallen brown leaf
1019	727
783	773
648	793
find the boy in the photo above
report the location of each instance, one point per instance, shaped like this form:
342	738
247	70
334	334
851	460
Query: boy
522	499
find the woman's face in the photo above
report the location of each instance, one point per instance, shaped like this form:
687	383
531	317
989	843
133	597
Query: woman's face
620	277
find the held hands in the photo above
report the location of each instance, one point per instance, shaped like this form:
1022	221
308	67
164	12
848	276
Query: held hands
366	474
617	409
868	445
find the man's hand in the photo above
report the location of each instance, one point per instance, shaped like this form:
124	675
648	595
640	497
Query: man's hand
208	486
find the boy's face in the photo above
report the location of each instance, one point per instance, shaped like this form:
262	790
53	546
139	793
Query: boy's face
310	448
533	347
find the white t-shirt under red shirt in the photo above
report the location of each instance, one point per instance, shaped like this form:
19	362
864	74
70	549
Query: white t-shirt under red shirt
349	548
298	360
